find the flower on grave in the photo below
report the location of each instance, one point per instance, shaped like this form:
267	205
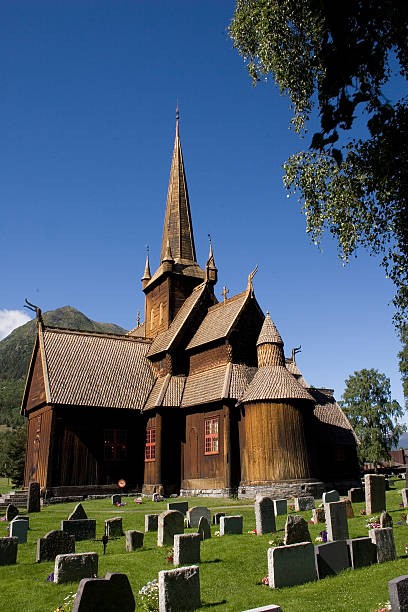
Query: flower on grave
138	500
265	580
401	505
403	516
170	555
324	535
3	518
68	604
216	533
319	539
406	549
399	523
291	508
276	541
363	512
252	531
310	522
149	596
383	607
50	578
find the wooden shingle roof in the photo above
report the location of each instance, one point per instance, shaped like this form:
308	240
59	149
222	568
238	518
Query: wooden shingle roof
273	383
269	333
334	425
205	387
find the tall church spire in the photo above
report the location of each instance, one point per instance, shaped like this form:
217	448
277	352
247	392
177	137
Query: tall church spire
178	229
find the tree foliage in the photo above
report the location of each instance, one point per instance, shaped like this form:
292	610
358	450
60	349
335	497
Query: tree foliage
373	414
403	363
339	56
12	454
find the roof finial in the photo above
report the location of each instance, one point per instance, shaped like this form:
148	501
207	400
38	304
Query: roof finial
138	319
177	118
224	292
35	309
147	275
298	349
250	288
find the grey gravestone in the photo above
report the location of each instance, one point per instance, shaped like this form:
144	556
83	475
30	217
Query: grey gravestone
280	506
78	513
384	538
296	530
404	497
83	529
116	499
336	521
179	589
204	530
195	513
151	521
304	503
72	568
375	493
186	548
18	529
231	524
170	522
349	508
33	497
331	558
217	516
270	608
8	551
113	527
356	496
318	515
385	520
11	512
109	594
180	506
23	518
134	539
406	477
264	515
398	590
330	496
362	552
54	543
291	565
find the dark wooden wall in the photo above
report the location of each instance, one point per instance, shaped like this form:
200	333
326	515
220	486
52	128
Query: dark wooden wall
156	296
36	395
244	336
209	358
39	438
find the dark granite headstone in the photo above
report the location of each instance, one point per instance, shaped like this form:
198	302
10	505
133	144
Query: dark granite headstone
33	497
264	515
113	527
11	512
204	529
134	539
331	558
78	513
151	522
356	496
116	499
83	529
54	543
180	506
398	590
385	520
362	552
8	551
296	530
217	516
109	594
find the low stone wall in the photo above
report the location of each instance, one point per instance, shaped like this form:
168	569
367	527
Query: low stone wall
282	490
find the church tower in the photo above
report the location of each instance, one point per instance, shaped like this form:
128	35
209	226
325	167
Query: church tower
178	272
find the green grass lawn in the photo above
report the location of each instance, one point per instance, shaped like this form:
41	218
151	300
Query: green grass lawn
231	567
5	485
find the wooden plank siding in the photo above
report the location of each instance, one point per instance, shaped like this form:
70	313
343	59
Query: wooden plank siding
40	424
36	391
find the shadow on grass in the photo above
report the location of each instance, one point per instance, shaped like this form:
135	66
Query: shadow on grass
212	561
212	605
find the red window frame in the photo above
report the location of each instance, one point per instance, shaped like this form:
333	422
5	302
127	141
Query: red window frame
150	446
115	447
211	436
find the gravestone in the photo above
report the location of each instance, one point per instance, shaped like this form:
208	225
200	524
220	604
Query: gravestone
385	520
384	538
83	529
304	503
116	499
362	552
404	497
11	512
18	529
151	522
170	522
375	493
204	530
8	551
33	497
186	548
270	608
156	497
406	477
72	568
217	516
195	513
398	590
179	589
113	527
54	543
349	508
134	539
291	565
296	530
330	496
280	506
331	558
109	594
356	495
78	513
336	521
318	515
264	515
231	525
180	506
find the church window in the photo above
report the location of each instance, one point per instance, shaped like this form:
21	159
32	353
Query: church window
211	436
152	318
150	447
115	444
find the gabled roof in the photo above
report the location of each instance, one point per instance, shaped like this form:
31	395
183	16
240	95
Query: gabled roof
293	369
334	425
167	391
208	386
273	383
138	332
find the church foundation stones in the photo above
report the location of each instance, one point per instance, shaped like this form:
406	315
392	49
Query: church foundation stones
374	493
231	525
280	506
336	521
296	530
195	513
291	565
151	522
72	568
186	548
264	515
8	551
170	523
83	529
33	497
110	593
179	589
134	539
330	496
54	543
362	552
180	506
78	513
204	529
113	527
331	558
304	503
384	538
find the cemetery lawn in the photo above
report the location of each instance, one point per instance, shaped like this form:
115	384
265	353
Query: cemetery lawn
5	485
231	568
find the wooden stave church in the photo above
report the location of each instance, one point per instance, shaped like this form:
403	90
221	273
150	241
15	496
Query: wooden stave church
198	399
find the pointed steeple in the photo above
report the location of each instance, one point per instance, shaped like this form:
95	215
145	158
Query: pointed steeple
146	276
269	345
211	272
178	229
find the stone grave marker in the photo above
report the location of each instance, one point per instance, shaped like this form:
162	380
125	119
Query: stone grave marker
204	529
296	530
151	522
116	499
406	477
231	525
195	513
375	493
270	608
331	558
384	538
398	590
186	548
179	589
8	551
404	497
33	497
72	568
156	497
110	594
280	506
330	496
134	539
217	516
304	503
78	513
385	520
170	522
180	506
349	508
264	515
18	529
54	543
83	529
318	515
336	521
356	495
362	551
11	512
113	527
291	565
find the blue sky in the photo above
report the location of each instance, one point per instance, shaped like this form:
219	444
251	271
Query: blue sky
87	119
